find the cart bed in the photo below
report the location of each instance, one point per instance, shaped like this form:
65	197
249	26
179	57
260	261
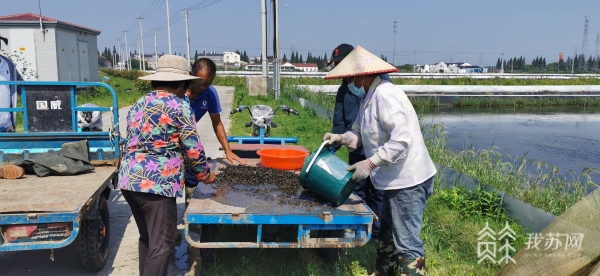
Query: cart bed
32	194
210	206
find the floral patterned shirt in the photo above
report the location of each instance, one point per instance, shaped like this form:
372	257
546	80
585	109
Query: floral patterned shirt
161	139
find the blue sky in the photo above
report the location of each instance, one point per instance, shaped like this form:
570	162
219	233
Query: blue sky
428	31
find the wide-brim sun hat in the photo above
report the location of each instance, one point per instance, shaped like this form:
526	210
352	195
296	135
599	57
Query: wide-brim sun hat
360	62
171	68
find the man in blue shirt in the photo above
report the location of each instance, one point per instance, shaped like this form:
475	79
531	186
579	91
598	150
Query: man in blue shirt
204	99
344	114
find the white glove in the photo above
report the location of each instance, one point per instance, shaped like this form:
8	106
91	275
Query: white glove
362	170
334	139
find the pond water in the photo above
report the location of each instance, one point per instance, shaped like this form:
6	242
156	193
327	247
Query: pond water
568	138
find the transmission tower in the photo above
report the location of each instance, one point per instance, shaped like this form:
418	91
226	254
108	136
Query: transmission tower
597	52
584	46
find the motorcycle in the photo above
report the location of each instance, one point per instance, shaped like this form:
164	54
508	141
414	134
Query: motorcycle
261	121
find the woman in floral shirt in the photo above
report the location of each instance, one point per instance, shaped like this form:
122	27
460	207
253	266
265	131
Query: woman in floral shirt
161	140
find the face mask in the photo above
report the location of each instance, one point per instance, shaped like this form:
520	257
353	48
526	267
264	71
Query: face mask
359	92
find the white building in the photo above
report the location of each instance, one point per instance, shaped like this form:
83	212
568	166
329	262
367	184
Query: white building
453	68
307	67
57	50
258	67
231	58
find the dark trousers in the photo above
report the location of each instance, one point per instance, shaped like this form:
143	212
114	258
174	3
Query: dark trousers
156	219
365	190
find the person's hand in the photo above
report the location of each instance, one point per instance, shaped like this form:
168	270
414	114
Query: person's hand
334	139
362	170
210	178
232	157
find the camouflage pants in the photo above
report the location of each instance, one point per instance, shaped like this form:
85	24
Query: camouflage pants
412	266
390	263
387	256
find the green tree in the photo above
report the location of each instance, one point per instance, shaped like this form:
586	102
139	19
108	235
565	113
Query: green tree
135	64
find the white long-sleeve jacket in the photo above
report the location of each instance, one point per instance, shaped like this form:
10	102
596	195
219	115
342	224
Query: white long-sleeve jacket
388	128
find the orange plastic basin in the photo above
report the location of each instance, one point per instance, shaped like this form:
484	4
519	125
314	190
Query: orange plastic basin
283	159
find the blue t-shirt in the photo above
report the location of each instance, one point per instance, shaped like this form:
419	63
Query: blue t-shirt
207	101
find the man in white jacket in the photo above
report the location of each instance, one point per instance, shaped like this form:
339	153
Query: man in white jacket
397	161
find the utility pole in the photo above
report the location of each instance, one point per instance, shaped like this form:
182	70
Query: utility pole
187	35
143	66
276	48
155	51
263	59
395	29
127	51
168	26
139	51
120	57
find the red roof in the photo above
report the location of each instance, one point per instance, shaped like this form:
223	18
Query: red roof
305	65
31	18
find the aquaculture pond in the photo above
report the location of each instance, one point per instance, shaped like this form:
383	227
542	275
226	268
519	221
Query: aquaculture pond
565	137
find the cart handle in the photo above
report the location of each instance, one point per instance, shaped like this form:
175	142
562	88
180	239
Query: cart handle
316	154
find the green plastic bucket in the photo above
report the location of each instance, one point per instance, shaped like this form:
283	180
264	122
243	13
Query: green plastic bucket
327	176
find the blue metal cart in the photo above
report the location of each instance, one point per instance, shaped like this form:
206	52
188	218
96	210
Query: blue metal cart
346	226
50	212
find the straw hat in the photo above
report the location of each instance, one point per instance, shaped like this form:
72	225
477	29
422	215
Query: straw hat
360	62
171	68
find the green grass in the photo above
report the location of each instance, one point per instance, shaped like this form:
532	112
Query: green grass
101	96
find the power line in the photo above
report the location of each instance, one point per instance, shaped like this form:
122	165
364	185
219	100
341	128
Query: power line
203	4
299	26
156	4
